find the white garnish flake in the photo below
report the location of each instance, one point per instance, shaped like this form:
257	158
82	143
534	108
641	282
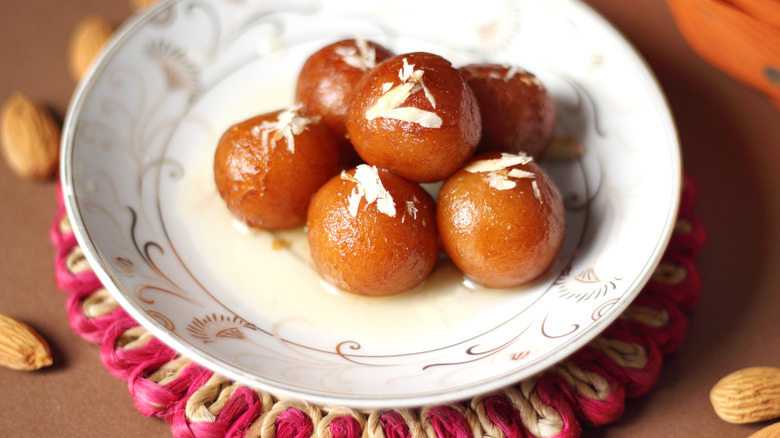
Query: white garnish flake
361	56
498	177
520	173
388	105
288	124
406	72
411	209
537	192
369	187
500	181
506	160
512	71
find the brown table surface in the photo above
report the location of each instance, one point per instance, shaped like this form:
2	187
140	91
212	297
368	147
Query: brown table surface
730	137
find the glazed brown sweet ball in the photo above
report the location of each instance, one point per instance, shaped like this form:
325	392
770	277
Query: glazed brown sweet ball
518	113
328	79
501	220
415	116
373	233
267	167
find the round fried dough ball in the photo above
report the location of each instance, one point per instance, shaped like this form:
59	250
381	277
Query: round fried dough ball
501	220
267	168
415	116
373	233
327	80
518	114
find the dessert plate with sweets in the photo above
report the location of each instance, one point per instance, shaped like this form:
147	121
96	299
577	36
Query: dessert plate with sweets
370	207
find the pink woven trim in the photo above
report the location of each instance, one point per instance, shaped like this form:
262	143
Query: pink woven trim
688	197
448	422
68	280
690	241
684	293
595	395
124	362
504	415
637	381
550	393
293	423
92	329
394	425
589	388
668	332
345	427
240	412
56	233
155	400
180	426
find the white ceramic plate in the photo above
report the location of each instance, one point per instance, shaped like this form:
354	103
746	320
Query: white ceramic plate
136	172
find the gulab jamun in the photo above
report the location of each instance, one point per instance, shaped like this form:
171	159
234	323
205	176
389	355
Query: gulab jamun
267	168
372	232
501	219
416	116
327	80
518	113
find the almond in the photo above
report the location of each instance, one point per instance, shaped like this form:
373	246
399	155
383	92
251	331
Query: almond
748	395
30	137
87	41
772	431
21	347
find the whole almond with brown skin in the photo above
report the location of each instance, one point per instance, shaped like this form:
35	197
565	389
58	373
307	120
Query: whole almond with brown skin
748	395
21	347
87	40
771	431
30	137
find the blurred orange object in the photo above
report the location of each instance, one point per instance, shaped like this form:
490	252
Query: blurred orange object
741	37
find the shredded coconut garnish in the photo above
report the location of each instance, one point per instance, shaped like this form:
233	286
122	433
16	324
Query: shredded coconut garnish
369	186
498	176
361	56
388	105
288	124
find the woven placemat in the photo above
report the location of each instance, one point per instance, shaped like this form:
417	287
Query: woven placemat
590	388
